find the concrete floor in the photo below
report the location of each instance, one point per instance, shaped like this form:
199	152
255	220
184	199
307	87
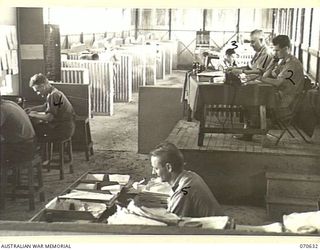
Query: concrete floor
120	131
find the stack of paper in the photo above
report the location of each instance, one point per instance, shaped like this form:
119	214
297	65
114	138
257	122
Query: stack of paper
150	199
122	179
159	214
156	186
274	227
300	222
124	217
114	189
89	186
94	177
213	222
96	209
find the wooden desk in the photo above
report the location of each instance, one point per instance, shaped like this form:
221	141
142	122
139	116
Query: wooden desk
203	97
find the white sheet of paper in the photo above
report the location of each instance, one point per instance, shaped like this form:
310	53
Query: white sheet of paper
94	177
114	189
120	178
78	194
211	73
213	222
91	186
294	221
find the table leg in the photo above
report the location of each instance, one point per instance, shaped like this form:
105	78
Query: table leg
263	123
263	118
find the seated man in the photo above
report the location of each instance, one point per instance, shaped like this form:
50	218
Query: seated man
261	58
259	64
58	110
17	133
287	76
191	196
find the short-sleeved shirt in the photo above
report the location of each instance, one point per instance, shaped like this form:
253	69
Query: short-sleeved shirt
262	59
192	197
291	72
59	106
16	126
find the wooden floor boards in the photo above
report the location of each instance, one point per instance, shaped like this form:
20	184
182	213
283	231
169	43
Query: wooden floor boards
185	136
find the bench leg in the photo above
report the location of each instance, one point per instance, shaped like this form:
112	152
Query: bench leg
31	186
200	139
70	156
61	160
3	186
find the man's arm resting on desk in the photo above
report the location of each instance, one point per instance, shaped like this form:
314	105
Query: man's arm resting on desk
271	81
245	70
46	117
39	108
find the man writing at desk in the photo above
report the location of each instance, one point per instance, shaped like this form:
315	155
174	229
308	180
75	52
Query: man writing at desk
59	113
261	58
191	196
259	64
16	131
287	76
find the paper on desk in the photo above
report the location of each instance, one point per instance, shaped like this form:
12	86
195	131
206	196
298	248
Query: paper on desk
294	221
124	217
96	209
94	177
211	73
79	194
90	186
120	178
159	214
114	189
213	222
274	227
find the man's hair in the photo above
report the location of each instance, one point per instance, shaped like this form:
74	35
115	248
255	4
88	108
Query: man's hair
168	153
282	41
38	79
230	52
258	33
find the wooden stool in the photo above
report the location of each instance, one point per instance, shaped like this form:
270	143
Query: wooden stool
27	190
82	136
61	145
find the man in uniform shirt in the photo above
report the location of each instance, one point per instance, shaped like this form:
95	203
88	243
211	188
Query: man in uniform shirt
287	76
17	133
259	63
191	196
59	113
260	60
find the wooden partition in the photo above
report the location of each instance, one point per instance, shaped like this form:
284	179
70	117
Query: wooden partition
160	109
75	75
138	65
122	78
101	81
144	64
78	95
165	56
161	61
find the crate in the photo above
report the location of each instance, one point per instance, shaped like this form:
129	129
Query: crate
279	206
293	185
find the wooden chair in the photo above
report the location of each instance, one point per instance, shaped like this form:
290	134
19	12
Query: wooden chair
285	120
18	188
